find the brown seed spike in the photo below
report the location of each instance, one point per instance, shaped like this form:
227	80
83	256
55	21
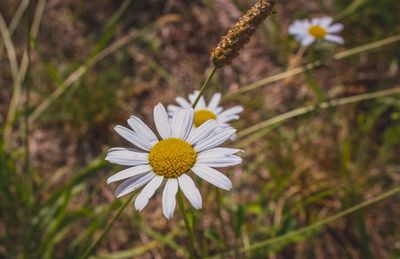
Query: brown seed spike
230	44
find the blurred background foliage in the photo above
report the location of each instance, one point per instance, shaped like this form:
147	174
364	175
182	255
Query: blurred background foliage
94	63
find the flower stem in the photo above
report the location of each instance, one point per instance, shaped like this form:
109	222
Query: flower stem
187	223
204	86
108	227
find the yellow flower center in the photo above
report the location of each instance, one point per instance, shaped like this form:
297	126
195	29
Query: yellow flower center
172	157
202	116
317	31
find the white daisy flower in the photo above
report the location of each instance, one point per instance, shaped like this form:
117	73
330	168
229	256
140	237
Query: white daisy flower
182	149
307	32
204	112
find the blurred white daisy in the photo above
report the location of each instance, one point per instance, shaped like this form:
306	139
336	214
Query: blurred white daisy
204	112
307	32
182	149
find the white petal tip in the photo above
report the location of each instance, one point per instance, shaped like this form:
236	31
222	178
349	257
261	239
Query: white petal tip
123	194
198	206
167	216
228	187
140	207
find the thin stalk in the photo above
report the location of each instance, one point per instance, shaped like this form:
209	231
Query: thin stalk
310	108
204	86
15	21
78	73
187	223
301	69
93	60
350	9
25	128
12	56
221	220
18	16
25	86
315	225
21	73
31	35
180	199
294	62
170	242
108	227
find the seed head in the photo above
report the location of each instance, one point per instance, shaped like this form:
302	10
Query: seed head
230	44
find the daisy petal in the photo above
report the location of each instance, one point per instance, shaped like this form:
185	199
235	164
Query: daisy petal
223	119
133	184
202	132
308	40
212	176
215	139
335	28
298	27
218	110
162	121
125	156
232	111
219	157
201	104
190	191
182	102
141	128
148	191
221	151
307	23
297	31
133	137
214	102
299	38
315	21
129	172
168	197
219	161
334	38
182	123
172	109
325	21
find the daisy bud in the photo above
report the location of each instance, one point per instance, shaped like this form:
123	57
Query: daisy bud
230	44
